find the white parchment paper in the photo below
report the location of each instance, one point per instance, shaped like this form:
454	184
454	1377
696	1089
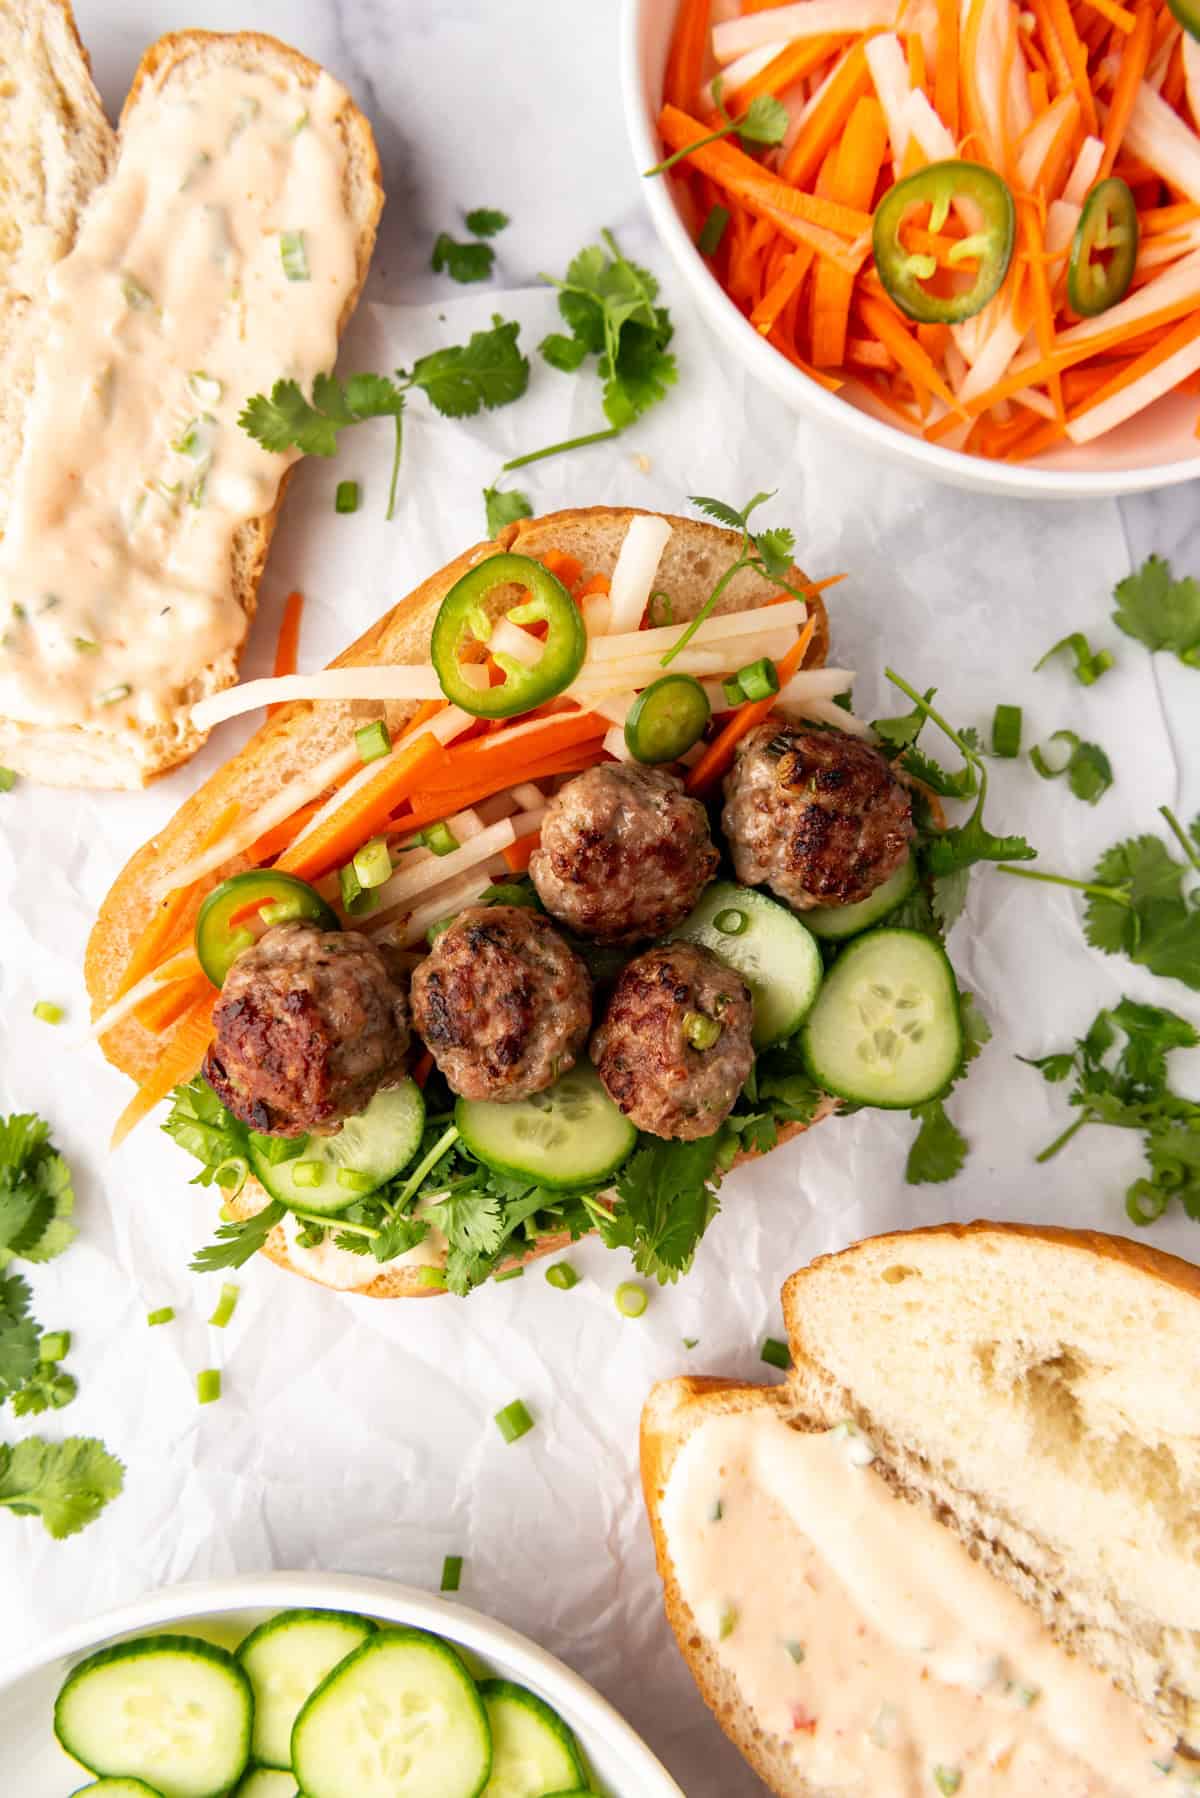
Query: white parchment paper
358	1436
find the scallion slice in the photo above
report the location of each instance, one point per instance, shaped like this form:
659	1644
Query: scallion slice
508	1273
562	1276
440	839
49	1012
357	899
114	695
631	1299
373	864
452	1568
775	1353
164	1315
54	1346
8	780
294	255
308	1173
758	680
1006	731
712	231
346	497
208	1385
514	1421
226	1306
350	1180
373	740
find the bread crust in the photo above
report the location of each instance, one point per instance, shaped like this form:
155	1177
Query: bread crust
303	733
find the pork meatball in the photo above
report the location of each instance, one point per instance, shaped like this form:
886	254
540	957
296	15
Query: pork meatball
674	1049
310	1024
624	855
502	1002
817	815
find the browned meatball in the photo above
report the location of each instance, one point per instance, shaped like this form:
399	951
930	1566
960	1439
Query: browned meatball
815	814
624	855
502	1002
310	1024
674	1049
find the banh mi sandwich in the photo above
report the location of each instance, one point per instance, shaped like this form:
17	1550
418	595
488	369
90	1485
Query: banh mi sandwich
229	242
955	1552
509	924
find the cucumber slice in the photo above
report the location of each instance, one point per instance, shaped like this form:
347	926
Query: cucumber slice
268	1782
770	948
886	1029
838	921
286	1659
399	1718
374	1145
120	1788
533	1751
570	1135
172	1710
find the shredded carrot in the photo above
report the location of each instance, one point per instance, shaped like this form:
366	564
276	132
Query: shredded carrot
890	330
859	160
791	65
915	51
333	842
1184	333
429	808
850	82
519	854
569	569
1125	90
719	754
689	49
166	924
179	1060
163	1009
288	645
1120	16
945	78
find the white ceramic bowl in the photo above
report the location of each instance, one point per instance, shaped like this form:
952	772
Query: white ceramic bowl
33	1766
1157	449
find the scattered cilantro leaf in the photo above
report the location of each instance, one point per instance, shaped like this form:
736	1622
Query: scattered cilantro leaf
463	262
939	1149
237	1242
487	371
768	553
485	222
666	1199
900	734
564	353
504	508
1159	611
1089	664
199	1123
67	1484
50	1389
19	1336
36	1196
1087	768
764	122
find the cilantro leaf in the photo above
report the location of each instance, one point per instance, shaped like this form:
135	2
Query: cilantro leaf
939	1149
237	1242
504	508
643	372
463	262
485	222
965	844
67	1484
767	552
19	1336
36	1196
1159	611
200	1124
722	513
666	1198
564	353
286	420
463	379
765	121
49	1389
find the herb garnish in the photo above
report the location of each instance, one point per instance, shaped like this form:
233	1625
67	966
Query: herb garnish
67	1484
36	1196
1159	611
1089	664
764	122
465	262
769	553
1087	768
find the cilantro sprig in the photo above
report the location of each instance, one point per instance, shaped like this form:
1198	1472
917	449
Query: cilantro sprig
459	381
1120	1078
666	1199
764	123
67	1484
939	1150
1160	611
36	1195
467	262
769	553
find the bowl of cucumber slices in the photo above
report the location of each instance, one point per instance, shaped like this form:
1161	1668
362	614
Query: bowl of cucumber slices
277	1685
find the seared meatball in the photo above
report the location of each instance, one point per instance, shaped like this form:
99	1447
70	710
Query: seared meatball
310	1024
815	814
623	854
502	1002
650	1052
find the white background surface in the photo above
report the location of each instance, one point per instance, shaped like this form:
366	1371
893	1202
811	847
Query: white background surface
358	1436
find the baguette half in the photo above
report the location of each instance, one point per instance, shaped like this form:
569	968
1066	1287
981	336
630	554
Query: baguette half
301	735
77	755
1032	1388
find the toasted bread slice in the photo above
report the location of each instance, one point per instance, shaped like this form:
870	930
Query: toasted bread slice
1034	1389
119	755
58	147
302	735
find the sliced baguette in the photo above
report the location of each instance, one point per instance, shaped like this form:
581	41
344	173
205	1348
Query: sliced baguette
303	734
78	756
1034	1389
57	148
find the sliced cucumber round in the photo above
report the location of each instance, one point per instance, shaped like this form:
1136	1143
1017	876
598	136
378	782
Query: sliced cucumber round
334	1171
838	921
268	1782
886	1029
769	947
399	1718
533	1751
286	1658
119	1788
570	1135
172	1710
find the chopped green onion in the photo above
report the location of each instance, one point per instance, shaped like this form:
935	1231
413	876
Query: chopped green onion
1089	665
1145	1202
308	1173
440	839
208	1385
279	912
689	1342
701	1032
437	930
8	780
1051	766
947	1780
732	689
1087	768
373	740
350	1180
716	1511
204	388
452	1568
712	231
1006	731
631	1299
731	922
293	255
54	1346
728	1622
776	1353
509	1273
226	1306
373	864
48	1012
164	1315
114	695
431	1276
758	680
135	295
796	1650
232	1174
562	1276
514	1421
87	646
346	497
357	899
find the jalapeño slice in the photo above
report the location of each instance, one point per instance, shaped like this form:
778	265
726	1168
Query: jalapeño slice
989	245
237	913
463	620
1104	248
1187	14
666	718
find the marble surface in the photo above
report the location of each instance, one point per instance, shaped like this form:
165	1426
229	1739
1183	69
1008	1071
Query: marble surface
512	105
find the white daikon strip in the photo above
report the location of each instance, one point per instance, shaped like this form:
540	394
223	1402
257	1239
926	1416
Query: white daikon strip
145	988
528	795
1168	246
1158	136
372	681
500	805
636	566
720	629
703	663
616	745
475	675
614	706
1020	102
809	18
738	73
465	824
1083	176
1179	282
525	823
1036	402
1039	139
816	683
889	71
445	727
823	711
410	882
509	639
290	799
447	901
998	351
1138	396
934	138
597	614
